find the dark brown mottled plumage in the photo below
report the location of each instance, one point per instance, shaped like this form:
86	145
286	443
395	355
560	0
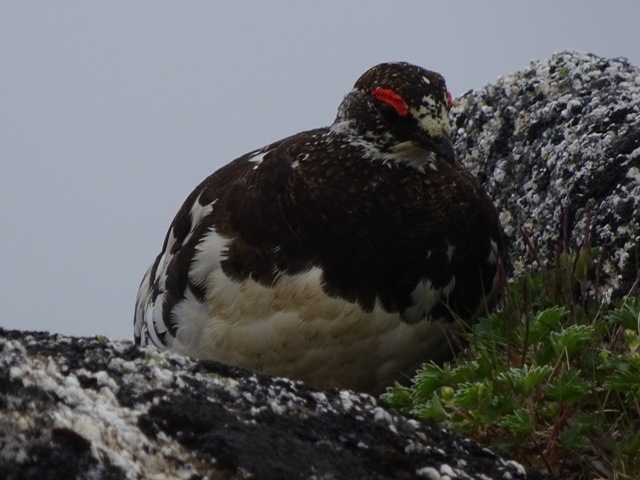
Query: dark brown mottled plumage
375	205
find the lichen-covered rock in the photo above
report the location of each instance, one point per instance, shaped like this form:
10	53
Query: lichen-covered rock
559	144
89	408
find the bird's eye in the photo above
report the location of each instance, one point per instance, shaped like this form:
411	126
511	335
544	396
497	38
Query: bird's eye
389	112
389	98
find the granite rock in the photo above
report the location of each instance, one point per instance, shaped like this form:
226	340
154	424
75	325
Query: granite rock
557	147
92	408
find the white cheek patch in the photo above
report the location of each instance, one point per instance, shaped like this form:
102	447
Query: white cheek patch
435	126
428	106
433	117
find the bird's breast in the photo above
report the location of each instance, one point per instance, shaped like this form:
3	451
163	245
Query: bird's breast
292	328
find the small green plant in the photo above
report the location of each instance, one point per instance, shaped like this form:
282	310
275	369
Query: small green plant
563	72
552	378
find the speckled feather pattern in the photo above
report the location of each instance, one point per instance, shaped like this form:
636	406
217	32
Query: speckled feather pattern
340	256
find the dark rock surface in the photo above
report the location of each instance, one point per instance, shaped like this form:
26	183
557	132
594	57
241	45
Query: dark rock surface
556	144
92	408
559	143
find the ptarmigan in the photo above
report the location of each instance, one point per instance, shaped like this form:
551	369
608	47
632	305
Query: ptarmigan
340	256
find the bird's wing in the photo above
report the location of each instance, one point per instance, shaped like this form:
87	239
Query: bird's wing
240	220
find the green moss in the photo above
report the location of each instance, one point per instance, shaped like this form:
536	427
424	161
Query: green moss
563	72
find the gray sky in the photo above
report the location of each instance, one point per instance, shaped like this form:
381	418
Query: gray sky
112	112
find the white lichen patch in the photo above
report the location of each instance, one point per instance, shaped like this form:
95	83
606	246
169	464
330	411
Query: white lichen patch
558	145
429	473
94	414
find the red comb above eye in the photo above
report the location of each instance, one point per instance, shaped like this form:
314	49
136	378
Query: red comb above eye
387	95
449	100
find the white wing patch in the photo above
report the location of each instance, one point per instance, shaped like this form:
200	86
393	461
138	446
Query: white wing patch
197	213
149	324
210	251
155	322
257	158
425	296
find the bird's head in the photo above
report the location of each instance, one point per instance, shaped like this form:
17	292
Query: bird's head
398	112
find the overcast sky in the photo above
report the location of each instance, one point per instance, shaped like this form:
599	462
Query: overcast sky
112	112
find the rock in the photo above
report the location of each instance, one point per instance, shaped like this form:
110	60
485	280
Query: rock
91	408
557	147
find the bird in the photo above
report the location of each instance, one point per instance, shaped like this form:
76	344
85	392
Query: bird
345	256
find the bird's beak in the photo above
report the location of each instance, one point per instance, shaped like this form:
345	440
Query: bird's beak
444	148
